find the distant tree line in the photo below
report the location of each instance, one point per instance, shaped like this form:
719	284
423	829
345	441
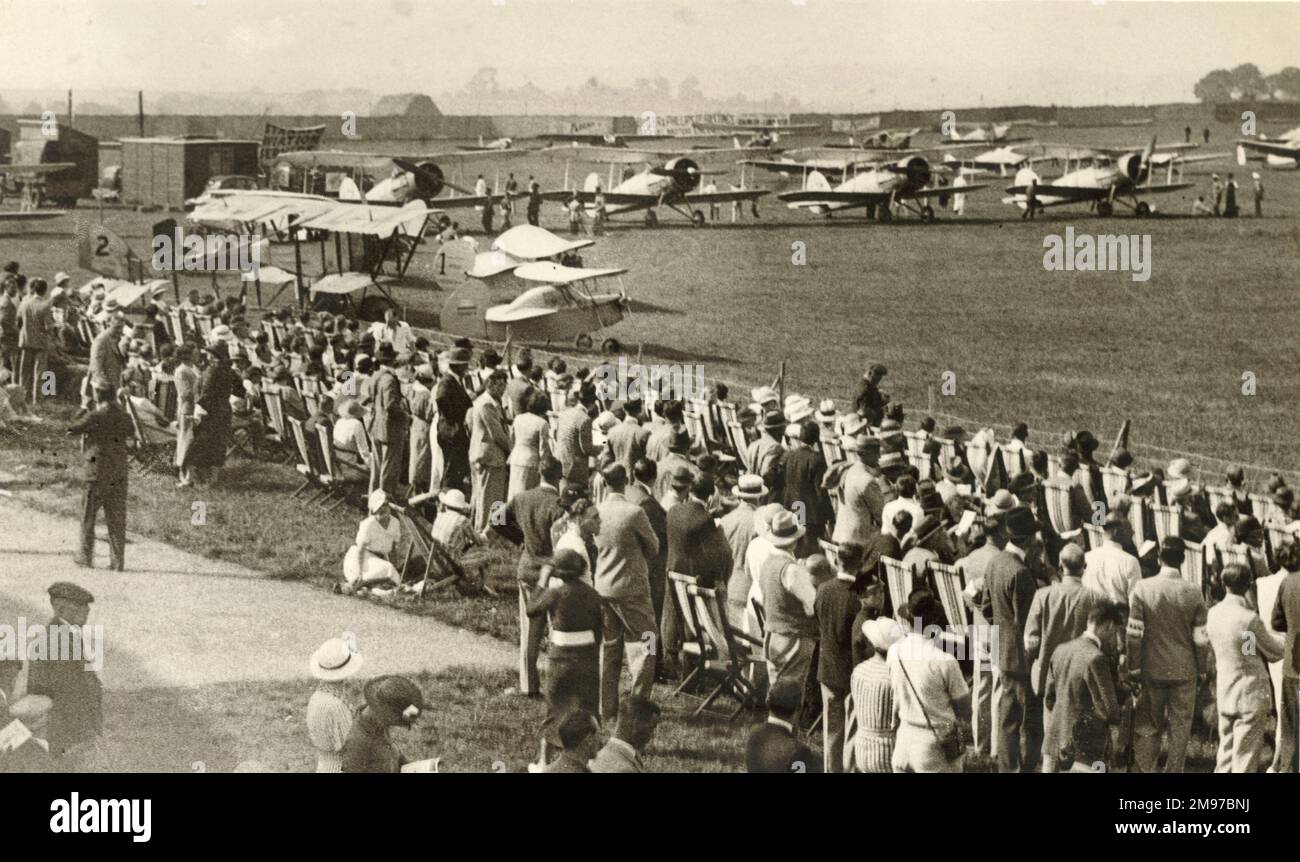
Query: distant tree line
1246	83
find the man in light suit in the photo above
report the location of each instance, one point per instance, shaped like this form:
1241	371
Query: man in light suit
625	544
1242	650
628	438
106	360
1058	614
533	513
1286	619
35	338
637	719
573	444
862	496
390	424
1168	651
489	447
1111	572
1080	681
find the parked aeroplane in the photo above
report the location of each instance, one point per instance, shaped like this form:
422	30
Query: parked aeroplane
396	179
1111	177
905	183
497	144
673	185
1282	151
878	139
985	133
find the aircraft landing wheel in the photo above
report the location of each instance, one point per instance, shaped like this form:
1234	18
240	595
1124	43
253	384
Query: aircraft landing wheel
1104	208
697	218
583	342
884	215
611	346
651	218
927	214
1143	209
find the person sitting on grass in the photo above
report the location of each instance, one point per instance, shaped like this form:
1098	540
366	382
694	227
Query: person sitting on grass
637	719
366	565
391	701
579	734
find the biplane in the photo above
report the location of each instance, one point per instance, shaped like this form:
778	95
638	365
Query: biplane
1280	152
906	183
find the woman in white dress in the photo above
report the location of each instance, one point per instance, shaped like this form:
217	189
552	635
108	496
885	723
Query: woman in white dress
186	376
329	713
532	436
366	564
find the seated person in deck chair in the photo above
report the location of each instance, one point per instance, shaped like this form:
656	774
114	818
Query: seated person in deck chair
350	434
153	423
366	564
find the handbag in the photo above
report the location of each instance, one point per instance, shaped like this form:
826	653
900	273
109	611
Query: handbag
950	741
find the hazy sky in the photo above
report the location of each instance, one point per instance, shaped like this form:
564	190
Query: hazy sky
833	54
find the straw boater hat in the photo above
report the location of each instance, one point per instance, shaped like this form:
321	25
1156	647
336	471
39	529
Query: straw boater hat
454	499
826	411
335	660
785	530
764	516
1179	468
750	487
61	279
797	408
1000	503
764	395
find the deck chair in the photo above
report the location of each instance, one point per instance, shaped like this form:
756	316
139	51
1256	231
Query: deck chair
1058	507
311	401
203	324
731	652
441	569
336	468
693	646
899	579
1013	461
850	734
695	429
950	581
1114	483
738	442
273	407
1217	494
1265	511
1137	518
830	549
1095	536
1193	567
760	615
313	475
1168	519
149	454
163	395
832	451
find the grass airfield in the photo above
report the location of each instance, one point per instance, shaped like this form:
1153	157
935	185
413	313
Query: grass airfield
967	295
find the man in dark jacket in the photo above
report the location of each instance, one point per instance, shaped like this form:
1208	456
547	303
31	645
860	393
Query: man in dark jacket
870	401
641	492
454	401
836	608
76	712
106	430
390	425
533	512
773	747
696	547
805	469
1009	593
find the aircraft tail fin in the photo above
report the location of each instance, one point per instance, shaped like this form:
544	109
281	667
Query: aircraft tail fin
592	182
104	252
817	182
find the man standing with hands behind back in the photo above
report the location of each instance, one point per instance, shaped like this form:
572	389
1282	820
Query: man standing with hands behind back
106	429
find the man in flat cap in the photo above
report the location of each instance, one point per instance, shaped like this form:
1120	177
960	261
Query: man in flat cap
106	431
76	713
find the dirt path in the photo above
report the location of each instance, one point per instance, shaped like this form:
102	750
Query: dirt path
176	619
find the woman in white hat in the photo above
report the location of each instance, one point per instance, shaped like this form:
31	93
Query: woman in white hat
366	564
329	714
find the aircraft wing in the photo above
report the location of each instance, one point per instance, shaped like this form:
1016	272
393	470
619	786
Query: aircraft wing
465	201
1074	193
852	199
34	170
1272	148
587	197
34	215
724	197
939	191
1162	189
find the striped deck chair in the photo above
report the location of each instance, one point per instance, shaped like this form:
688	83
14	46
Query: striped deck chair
1058	507
899	579
150	454
948	450
1013	460
1217	494
279	436
950	582
308	465
832	451
163	395
1234	554
693	646
915	442
1053	464
441	568
1275	537
739	443
1265	510
1193	567
731	652
202	325
337	470
1137	518
176	326
1095	536
1114	482
695	429
726	413
1169	521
